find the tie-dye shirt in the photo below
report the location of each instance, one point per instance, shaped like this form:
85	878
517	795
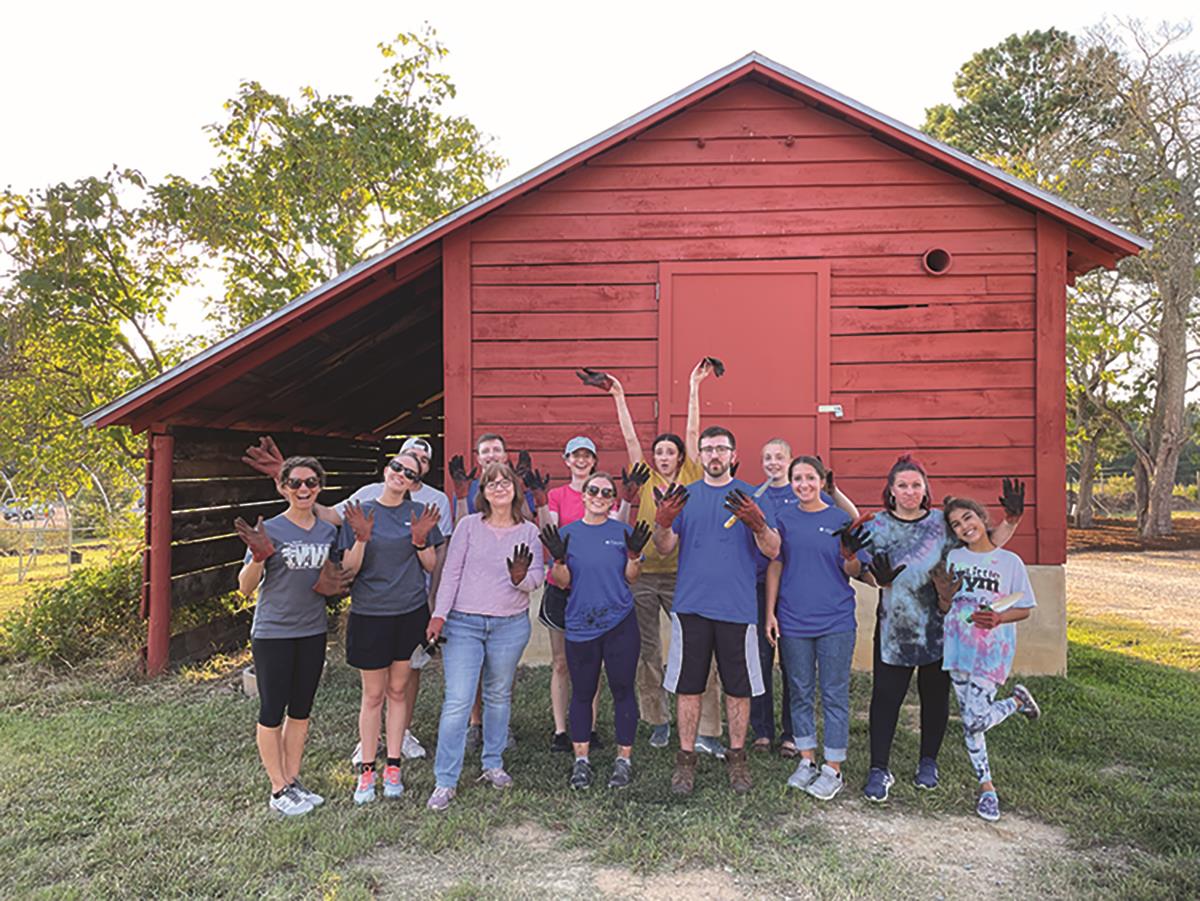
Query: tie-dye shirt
989	578
910	625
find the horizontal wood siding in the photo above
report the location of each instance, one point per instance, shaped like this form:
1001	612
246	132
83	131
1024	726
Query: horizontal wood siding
565	277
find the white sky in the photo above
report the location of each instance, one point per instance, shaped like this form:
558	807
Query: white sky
87	85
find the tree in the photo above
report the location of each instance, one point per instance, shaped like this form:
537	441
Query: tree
305	189
89	276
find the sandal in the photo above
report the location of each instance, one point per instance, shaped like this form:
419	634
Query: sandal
761	744
788	749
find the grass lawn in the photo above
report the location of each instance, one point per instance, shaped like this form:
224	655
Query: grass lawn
46	570
111	787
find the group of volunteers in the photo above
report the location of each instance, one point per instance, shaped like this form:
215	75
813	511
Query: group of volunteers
742	571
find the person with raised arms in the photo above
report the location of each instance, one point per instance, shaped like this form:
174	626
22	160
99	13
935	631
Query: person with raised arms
596	558
810	617
909	540
715	609
674	460
983	591
391	543
288	564
489	448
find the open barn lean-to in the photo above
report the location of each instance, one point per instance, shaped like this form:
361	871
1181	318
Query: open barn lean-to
870	290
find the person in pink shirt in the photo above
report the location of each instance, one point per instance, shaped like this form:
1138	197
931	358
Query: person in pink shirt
482	610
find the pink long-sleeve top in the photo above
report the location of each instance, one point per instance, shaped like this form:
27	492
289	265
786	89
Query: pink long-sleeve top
475	576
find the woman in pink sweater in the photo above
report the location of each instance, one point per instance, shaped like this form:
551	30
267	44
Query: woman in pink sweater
482	610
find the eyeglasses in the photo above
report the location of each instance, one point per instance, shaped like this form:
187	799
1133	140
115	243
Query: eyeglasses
498	485
720	450
397	466
310	482
595	491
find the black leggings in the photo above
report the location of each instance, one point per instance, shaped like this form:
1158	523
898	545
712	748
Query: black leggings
287	671
888	688
618	650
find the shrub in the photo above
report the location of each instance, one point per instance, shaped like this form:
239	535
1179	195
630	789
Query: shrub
88	613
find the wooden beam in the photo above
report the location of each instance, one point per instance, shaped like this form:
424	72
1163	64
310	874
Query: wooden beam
456	343
159	592
1050	388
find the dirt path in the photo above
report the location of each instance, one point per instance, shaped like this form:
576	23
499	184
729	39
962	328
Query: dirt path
1158	588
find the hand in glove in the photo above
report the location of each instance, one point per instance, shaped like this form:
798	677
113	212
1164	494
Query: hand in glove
555	543
519	563
632	480
595	378
537	483
459	475
669	504
635	540
424	524
1013	499
256	538
745	509
360	523
265	457
881	568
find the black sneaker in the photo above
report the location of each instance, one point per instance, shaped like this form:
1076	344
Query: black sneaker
622	773
560	742
581	774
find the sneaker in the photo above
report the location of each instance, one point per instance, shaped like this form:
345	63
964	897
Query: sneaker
356	755
1029	707
683	778
708	744
560	742
364	791
878	783
927	774
474	737
595	742
306	793
622	773
392	786
988	806
440	799
497	778
290	803
411	748
581	774
660	735
826	785
739	771
806	773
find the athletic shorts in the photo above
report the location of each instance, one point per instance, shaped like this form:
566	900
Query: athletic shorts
376	642
553	612
694	641
287	671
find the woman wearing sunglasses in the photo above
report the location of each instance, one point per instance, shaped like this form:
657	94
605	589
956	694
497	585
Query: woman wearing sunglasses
482	609
597	558
391	544
283	559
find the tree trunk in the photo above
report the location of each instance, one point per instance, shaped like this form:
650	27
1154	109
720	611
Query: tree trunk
1084	511
1141	493
1167	424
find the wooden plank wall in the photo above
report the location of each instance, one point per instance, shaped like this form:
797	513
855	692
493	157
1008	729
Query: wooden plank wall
212	486
565	277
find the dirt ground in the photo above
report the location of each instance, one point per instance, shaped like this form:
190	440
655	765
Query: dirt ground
1157	588
1121	535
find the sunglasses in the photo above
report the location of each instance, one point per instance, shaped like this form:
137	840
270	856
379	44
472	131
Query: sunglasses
396	466
310	482
594	491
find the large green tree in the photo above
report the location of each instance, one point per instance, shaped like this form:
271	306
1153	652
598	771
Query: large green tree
307	187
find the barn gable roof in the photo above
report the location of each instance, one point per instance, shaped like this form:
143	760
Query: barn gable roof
1112	241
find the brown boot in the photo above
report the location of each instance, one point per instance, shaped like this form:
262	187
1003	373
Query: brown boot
683	779
739	770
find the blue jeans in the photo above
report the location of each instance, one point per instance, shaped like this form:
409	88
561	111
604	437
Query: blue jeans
827	658
762	707
475	643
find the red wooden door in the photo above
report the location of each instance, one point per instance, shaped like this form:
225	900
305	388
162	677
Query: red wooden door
768	321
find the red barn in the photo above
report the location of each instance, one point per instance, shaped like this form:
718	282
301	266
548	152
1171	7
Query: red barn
871	291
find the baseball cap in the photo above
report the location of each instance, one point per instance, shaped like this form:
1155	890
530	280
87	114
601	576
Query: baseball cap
579	442
417	444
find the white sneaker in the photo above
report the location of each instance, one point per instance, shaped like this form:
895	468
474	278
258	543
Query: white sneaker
356	754
307	793
411	749
806	773
826	785
291	803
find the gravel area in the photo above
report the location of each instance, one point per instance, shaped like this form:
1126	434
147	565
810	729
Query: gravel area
1157	588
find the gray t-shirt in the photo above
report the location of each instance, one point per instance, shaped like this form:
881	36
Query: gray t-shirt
390	580
287	606
426	494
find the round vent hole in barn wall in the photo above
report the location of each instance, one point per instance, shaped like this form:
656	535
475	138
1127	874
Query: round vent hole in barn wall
937	261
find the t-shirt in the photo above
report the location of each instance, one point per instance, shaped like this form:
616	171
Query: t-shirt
780	496
600	597
716	565
287	606
424	495
987	578
688	473
567	502
815	597
473	493
910	625
391	580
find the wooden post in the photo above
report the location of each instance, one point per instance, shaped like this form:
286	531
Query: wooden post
456	348
159	591
1051	429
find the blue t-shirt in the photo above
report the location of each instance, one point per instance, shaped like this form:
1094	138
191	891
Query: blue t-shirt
717	566
780	496
287	606
815	597
391	580
600	597
473	492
